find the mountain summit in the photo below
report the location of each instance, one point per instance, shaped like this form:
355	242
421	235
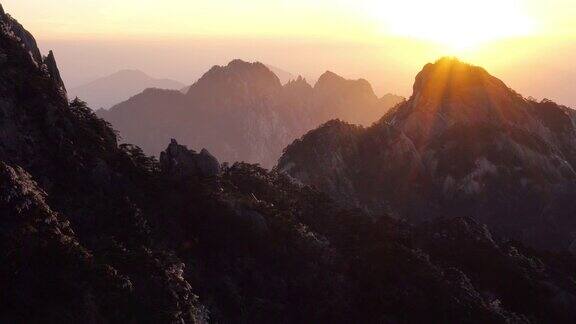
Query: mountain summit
450	92
241	81
463	144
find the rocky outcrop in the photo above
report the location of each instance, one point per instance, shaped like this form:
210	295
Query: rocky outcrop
12	28
52	67
179	162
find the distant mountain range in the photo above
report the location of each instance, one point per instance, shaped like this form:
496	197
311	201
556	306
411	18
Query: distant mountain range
242	112
105	92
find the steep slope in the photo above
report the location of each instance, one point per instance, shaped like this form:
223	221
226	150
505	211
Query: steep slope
99	256
48	276
471	146
110	90
241	112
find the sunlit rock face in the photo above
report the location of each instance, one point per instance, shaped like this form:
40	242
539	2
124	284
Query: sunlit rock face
450	92
473	146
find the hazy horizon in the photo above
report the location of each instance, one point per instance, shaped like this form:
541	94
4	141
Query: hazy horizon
181	40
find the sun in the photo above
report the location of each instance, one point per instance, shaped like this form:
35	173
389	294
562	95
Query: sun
455	24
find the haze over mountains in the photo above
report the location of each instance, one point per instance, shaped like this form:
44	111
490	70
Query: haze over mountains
96	232
242	112
105	92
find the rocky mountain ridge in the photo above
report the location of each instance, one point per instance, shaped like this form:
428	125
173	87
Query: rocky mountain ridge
242	112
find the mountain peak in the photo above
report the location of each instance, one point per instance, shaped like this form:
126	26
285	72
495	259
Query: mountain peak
241	65
330	81
239	68
449	77
460	102
450	91
298	83
52	67
329	76
239	78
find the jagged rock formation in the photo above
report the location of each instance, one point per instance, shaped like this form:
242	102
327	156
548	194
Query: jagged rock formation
464	143
241	112
12	28
95	232
50	62
179	162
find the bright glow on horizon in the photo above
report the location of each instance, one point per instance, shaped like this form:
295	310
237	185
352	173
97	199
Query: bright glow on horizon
458	27
457	24
441	20
384	41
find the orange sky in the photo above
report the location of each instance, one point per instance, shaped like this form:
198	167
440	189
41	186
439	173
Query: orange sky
530	44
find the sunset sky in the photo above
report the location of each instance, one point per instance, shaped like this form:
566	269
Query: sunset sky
386	42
